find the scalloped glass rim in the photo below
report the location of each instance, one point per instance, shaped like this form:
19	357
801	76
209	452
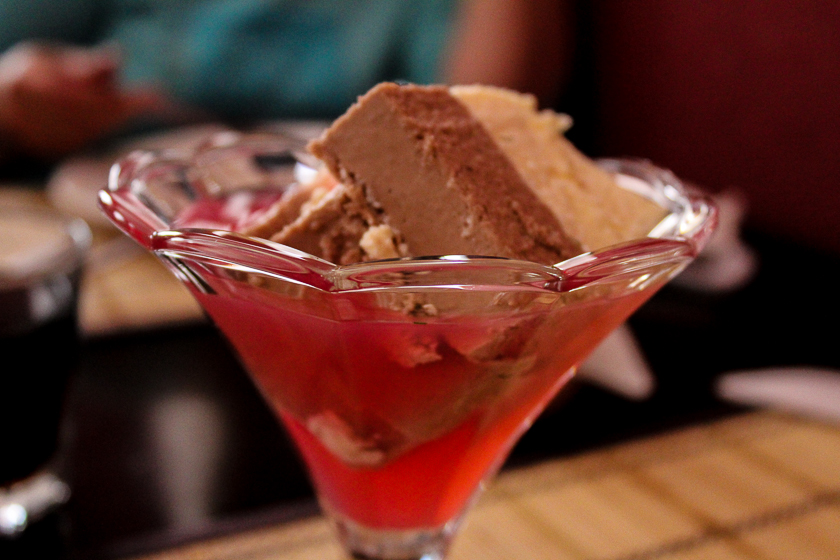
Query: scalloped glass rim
384	370
145	211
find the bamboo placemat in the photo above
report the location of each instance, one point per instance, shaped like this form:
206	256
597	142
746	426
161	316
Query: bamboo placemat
759	486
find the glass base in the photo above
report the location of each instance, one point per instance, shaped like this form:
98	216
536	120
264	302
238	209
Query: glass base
364	543
29	500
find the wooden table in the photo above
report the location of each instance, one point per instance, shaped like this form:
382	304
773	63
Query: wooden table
758	486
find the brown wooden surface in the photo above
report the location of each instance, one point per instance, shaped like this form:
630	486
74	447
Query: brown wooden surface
758	486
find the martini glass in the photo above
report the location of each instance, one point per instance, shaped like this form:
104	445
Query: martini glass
404	383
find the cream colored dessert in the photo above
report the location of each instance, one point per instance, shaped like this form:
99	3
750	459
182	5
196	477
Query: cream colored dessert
584	198
431	170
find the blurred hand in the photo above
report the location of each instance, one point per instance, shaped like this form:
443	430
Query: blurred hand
55	100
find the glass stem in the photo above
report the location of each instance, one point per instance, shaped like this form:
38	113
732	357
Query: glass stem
364	543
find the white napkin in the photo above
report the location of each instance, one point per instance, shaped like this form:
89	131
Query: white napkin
808	391
618	365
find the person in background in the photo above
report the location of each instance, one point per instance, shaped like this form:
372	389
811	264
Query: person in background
55	100
72	73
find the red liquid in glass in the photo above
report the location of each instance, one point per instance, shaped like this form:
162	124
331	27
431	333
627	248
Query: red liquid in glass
396	422
341	369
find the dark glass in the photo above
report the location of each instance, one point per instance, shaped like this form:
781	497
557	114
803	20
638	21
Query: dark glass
40	263
39	360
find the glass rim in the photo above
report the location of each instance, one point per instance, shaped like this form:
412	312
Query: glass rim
126	201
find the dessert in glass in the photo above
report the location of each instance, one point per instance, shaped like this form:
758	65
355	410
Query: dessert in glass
404	381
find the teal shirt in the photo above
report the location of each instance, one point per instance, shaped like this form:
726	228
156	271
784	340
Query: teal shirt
251	59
